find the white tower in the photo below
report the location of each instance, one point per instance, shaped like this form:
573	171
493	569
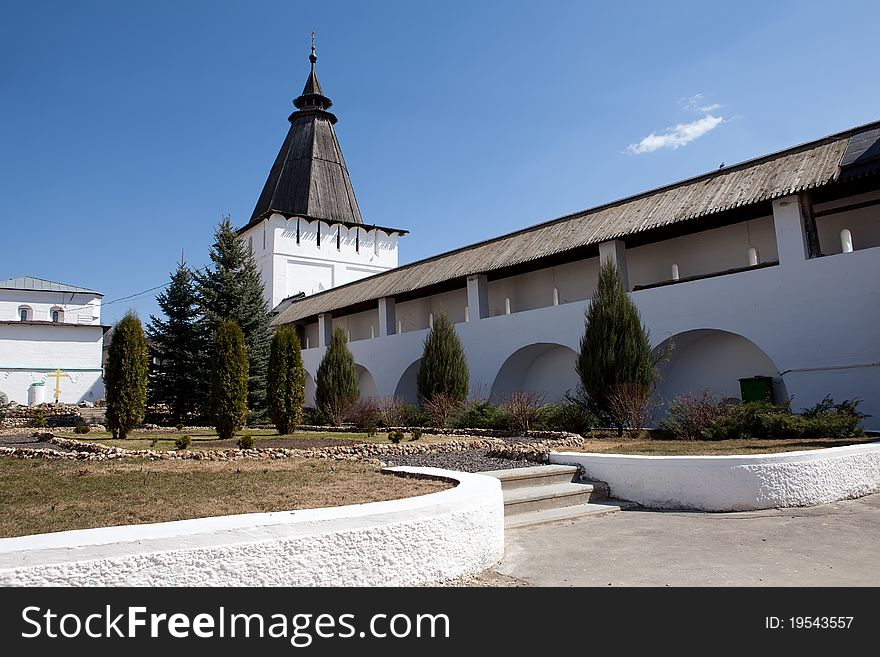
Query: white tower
306	232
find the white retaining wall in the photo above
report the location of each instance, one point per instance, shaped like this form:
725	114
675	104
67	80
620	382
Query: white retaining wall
735	483
405	542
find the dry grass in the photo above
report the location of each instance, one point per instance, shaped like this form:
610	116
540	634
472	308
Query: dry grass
49	496
648	447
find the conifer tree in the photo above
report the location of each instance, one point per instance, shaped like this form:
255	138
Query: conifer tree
177	346
229	380
444	368
125	378
286	380
615	348
336	382
231	289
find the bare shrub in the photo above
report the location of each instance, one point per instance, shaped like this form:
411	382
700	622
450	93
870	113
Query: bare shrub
365	413
689	415
630	405
392	410
440	407
523	408
335	409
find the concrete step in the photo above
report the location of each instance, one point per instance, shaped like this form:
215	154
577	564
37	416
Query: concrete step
534	476
565	513
551	496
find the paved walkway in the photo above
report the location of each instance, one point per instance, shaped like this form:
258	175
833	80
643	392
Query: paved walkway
830	545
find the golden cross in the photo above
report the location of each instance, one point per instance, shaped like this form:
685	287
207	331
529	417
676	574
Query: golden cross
57	374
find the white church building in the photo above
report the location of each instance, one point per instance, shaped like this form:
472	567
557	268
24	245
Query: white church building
50	339
769	268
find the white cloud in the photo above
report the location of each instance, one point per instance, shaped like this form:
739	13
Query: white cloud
675	136
696	103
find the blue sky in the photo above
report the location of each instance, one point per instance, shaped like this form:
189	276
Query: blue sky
127	129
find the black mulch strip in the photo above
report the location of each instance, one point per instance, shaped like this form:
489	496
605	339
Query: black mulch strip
473	460
31	443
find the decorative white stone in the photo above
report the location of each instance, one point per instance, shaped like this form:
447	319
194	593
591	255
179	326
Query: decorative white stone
846	242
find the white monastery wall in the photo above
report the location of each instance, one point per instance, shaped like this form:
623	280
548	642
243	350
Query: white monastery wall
702	253
813	319
863	224
408	542
359	326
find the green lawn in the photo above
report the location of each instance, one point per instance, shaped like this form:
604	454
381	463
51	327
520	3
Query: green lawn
208	439
47	496
648	447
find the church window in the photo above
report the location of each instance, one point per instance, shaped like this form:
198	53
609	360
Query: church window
339	238
264	239
250	244
357	240
24	313
57	315
319	234
297	231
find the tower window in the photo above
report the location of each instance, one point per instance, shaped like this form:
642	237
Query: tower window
297	231
24	313
56	315
339	238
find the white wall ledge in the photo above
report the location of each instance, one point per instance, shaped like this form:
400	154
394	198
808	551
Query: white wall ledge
405	542
735	483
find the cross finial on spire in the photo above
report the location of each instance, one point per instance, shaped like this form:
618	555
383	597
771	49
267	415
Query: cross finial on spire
313	58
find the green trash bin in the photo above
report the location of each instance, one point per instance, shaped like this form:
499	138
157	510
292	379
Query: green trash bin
757	389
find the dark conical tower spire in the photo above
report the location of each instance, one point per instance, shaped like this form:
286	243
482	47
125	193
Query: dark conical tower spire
309	178
312	95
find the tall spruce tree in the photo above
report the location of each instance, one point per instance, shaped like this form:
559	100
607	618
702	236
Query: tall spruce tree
615	348
443	368
125	378
286	380
231	289
177	344
336	381
229	380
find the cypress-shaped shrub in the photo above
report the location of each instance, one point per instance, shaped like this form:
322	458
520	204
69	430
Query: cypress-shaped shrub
286	380
336	382
443	368
125	378
615	347
229	381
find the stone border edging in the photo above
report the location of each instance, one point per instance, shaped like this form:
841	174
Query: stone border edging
406	542
735	483
83	450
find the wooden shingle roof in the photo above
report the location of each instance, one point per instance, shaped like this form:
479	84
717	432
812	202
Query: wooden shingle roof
309	177
773	176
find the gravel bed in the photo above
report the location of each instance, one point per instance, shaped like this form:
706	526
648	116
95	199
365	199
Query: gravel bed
473	460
